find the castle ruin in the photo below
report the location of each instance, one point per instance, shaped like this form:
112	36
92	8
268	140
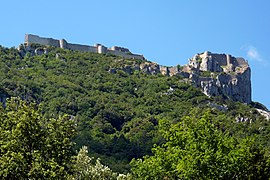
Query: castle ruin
215	74
228	76
217	62
98	48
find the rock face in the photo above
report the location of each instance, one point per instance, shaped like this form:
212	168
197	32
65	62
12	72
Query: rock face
23	49
216	74
221	75
264	113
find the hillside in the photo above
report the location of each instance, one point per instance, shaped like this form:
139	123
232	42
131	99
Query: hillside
117	107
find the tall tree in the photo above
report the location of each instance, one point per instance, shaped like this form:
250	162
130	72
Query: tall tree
31	146
197	149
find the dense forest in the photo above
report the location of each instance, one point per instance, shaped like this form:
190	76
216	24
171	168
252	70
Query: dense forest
66	115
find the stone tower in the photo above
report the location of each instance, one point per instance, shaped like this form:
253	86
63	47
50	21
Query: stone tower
230	76
63	43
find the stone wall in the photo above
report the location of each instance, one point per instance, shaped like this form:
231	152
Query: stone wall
83	48
117	48
240	62
126	55
229	76
221	59
118	51
208	61
213	62
232	81
33	39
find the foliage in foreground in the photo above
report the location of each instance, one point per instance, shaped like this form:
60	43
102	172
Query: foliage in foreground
86	168
32	146
117	115
197	149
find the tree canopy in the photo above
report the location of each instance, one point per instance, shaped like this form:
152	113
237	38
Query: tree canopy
32	146
197	149
118	115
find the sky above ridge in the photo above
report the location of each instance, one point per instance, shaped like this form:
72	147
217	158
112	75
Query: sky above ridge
167	32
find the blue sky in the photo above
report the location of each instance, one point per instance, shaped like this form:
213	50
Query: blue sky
167	32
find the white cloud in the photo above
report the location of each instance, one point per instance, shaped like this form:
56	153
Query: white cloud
253	53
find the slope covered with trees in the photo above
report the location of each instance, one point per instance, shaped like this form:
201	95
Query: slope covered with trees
118	115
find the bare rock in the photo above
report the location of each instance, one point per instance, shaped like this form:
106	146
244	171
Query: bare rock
264	113
227	76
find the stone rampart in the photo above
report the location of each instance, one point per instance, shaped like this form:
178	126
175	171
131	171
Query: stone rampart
125	55
117	48
230	76
118	51
240	62
221	59
83	48
208	61
33	39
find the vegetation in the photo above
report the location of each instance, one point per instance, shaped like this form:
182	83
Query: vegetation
118	117
199	60
205	73
31	146
196	147
86	168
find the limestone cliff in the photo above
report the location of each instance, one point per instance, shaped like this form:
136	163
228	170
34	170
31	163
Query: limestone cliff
220	74
216	74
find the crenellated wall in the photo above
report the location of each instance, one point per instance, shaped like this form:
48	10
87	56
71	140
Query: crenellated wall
83	48
98	48
126	55
208	61
33	39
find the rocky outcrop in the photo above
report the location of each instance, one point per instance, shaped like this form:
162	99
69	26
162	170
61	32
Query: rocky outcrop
150	68
239	119
221	75
32	50
216	74
264	113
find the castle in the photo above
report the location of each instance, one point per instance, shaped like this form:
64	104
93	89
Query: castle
228	76
215	74
217	62
98	48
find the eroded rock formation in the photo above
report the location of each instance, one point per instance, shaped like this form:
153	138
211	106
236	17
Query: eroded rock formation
220	74
216	74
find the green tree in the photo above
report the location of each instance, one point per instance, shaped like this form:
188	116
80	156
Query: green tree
115	113
32	146
197	149
87	168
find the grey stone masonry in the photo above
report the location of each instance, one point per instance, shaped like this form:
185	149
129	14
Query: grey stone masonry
98	48
215	74
229	76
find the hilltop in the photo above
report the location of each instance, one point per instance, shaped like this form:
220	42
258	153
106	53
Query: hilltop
118	102
215	74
